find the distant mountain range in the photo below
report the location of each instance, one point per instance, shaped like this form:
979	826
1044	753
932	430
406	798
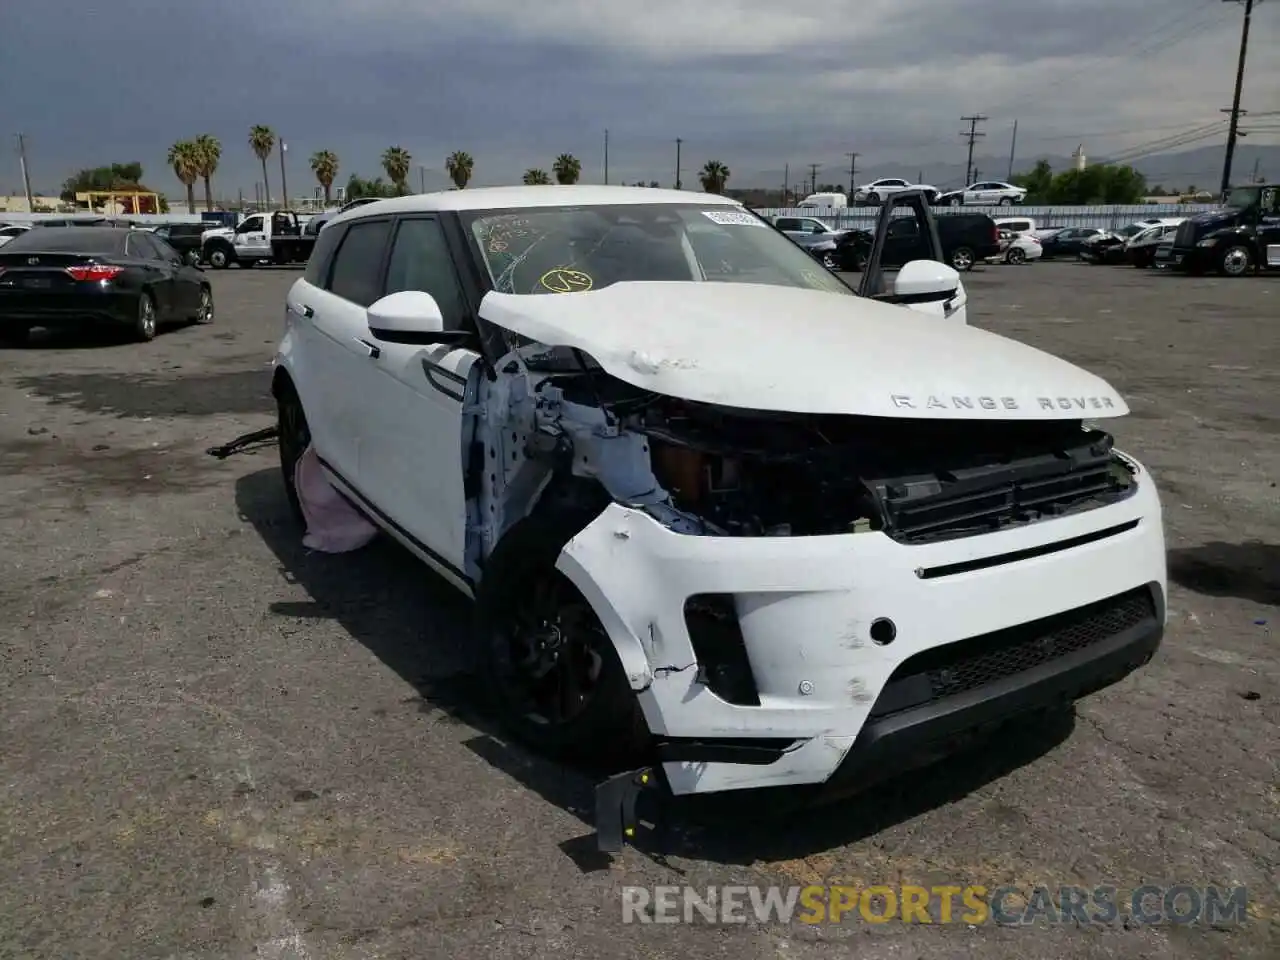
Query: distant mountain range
1201	168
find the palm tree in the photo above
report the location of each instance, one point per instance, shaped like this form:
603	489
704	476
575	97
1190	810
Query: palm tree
263	141
209	152
536	178
324	164
185	161
460	167
567	168
396	161
713	176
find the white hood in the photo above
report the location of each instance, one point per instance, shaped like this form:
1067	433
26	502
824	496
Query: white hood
778	348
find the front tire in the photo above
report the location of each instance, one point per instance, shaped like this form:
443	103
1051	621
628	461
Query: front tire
193	258
829	260
1006	201
1235	261
293	440
962	259
550	670
1016	255
220	258
954	202
873	199
145	325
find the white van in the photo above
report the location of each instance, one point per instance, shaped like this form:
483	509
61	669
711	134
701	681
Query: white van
825	201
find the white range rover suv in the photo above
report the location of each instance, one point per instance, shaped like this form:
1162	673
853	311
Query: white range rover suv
716	508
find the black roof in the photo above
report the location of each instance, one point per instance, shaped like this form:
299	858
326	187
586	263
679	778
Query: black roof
86	240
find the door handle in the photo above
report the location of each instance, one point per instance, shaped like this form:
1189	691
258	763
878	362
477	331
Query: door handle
304	311
374	350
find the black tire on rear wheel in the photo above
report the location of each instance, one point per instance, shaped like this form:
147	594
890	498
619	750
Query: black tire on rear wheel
540	641
204	312
192	258
145	324
962	259
293	440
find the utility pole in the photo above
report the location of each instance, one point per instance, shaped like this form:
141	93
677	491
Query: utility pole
853	172
26	176
1256	164
678	143
972	135
1234	130
786	183
1013	147
606	158
422	179
284	184
813	177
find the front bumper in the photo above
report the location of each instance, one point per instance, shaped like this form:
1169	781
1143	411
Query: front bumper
811	612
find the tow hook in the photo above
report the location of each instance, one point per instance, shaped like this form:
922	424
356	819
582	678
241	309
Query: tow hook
616	821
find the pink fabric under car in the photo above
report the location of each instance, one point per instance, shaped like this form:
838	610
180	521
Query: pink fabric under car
333	525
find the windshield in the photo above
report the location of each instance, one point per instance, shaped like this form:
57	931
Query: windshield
1238	198
541	250
1133	229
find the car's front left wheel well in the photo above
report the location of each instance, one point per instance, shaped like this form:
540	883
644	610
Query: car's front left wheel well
281	383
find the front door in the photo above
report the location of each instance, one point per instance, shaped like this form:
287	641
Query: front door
251	241
411	457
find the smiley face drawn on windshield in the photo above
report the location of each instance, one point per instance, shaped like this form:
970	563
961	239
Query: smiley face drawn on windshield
564	280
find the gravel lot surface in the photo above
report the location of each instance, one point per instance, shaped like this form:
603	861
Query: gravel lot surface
213	744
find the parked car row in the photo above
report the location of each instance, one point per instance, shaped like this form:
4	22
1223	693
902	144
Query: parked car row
984	193
966	239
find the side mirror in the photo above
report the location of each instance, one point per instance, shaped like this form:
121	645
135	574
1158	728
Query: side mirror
926	280
410	317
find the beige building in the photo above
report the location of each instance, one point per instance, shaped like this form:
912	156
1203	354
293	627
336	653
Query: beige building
19	204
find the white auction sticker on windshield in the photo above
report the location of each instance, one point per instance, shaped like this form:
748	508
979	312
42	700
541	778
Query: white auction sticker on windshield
736	218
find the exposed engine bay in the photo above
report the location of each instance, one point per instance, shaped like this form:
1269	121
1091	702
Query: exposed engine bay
755	473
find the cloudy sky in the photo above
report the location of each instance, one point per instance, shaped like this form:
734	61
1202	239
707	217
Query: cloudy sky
753	83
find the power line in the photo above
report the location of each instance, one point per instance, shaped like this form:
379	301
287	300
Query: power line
973	136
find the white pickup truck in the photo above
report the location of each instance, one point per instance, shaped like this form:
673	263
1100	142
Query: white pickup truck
278	237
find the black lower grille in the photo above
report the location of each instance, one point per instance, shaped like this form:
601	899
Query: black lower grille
978	661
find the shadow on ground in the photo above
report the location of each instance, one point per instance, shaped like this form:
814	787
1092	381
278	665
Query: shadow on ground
146	395
418	626
1246	571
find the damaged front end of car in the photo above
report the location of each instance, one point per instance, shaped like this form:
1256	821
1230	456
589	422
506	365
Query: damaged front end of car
804	596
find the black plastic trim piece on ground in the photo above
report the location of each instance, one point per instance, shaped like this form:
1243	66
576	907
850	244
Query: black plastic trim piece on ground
243	441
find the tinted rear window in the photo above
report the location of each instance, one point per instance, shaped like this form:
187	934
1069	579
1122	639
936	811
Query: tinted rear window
88	240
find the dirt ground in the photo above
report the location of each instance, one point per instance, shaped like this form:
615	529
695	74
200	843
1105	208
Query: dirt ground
214	744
